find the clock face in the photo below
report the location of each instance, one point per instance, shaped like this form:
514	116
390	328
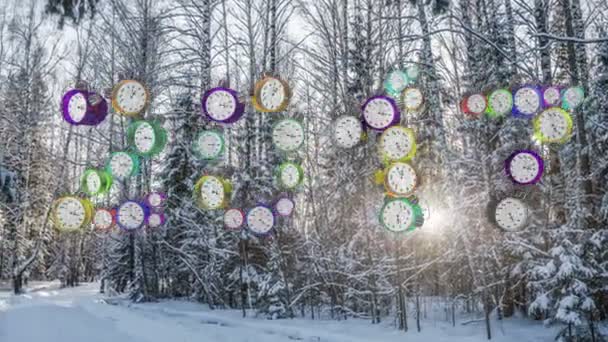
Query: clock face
145	137
501	102
121	165
476	104
233	218
397	143
396	82
93	182
288	135
412	72
130	215
220	105
209	145
379	112
130	97
284	206
103	219
156	220
260	220
77	107
527	101
212	192
401	179
155	199
412	98
290	175
573	97
525	167
551	96
70	213
347	131
511	214
553	125
398	215
273	94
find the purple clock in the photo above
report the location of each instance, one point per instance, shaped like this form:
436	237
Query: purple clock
380	112
156	199
524	167
155	220
222	104
552	96
527	101
81	107
260	220
284	206
132	215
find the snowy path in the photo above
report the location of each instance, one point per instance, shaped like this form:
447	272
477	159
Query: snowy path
75	315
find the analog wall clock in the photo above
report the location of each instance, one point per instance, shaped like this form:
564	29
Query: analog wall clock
397	144
79	107
147	138
212	192
412	72
284	206
524	167
288	135
500	103
130	97
96	182
234	219
510	214
474	104
260	220
552	96
104	219
400	180
348	131
122	165
71	213
400	215
395	82
155	220
271	94
132	215
412	99
156	199
290	175
222	104
208	145
572	98
527	102
553	125
380	112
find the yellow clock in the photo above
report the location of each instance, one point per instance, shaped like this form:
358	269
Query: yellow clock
71	213
397	143
130	97
271	95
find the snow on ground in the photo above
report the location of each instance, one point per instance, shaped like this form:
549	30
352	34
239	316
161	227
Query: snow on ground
47	313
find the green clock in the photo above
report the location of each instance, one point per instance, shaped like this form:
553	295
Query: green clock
396	81
500	102
122	165
208	145
95	182
290	175
147	138
401	215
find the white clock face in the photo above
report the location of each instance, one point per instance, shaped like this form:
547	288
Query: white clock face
412	98
552	96
260	220
155	199
290	176
102	219
553	124
71	213
574	96
131	215
527	100
401	179
77	107
524	167
379	113
476	103
93	182
121	165
155	220
131	97
397	80
272	94
395	143
220	105
209	145
511	214
397	216
233	218
212	192
285	206
348	131
145	137
501	101
288	135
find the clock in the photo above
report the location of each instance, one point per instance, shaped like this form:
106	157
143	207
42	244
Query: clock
474	104
290	175
96	182
260	220
212	192
395	82
284	206
510	214
552	96
412	99
234	218
400	215
400	180
271	94
348	131
208	145
122	165
222	104
79	108
71	213
147	138
500	102
155	220
156	199
132	215
572	98
129	97
524	167
527	101
397	144
288	135
553	125
380	112
104	219
412	72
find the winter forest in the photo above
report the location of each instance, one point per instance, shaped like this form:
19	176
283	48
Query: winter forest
444	67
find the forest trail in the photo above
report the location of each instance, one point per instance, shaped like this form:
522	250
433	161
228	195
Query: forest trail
47	313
